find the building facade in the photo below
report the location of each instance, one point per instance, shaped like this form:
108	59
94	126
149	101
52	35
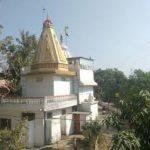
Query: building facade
57	93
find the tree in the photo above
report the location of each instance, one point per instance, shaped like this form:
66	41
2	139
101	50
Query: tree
13	139
109	84
125	140
18	54
113	120
92	131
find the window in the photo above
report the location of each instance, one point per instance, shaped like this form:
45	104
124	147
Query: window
63	111
5	123
28	116
49	115
74	108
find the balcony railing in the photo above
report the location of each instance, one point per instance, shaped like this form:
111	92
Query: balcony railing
22	100
51	99
43	101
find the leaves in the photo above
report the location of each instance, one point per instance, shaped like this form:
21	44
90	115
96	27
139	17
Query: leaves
109	84
125	140
18	54
13	139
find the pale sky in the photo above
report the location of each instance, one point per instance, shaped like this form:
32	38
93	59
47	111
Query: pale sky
115	33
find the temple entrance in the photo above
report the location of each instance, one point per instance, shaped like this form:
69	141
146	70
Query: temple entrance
76	118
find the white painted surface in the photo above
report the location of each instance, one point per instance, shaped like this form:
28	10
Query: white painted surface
54	126
36	130
63	124
91	107
48	131
37	85
62	86
94	110
86	77
31	126
84	93
39	129
69	121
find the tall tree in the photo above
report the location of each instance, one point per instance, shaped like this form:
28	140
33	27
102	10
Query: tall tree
109	84
19	53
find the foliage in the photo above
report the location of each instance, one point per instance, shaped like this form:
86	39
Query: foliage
125	140
113	120
13	139
132	98
92	131
137	112
109	84
19	53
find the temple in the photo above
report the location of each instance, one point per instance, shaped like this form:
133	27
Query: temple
57	93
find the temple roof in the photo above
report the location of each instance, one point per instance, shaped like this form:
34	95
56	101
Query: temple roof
49	55
49	49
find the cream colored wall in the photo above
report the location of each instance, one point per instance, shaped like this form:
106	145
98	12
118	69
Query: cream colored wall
91	107
94	110
86	75
16	115
37	85
62	86
69	121
39	129
84	92
55	126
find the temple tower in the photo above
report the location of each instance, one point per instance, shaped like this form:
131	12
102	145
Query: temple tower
49	72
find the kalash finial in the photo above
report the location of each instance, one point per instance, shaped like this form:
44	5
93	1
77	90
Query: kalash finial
47	23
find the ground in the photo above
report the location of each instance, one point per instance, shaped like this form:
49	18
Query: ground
68	143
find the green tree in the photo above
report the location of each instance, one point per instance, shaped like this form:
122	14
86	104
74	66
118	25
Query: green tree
19	53
92	131
13	139
125	140
109	84
113	120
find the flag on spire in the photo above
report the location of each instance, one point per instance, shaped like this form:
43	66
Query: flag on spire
66	30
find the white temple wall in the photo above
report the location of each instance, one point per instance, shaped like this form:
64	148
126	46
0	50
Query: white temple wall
37	86
62	86
69	121
91	107
85	92
55	126
15	116
39	129
86	75
94	110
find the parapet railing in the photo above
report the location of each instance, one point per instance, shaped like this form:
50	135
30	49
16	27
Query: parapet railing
37	100
23	100
51	99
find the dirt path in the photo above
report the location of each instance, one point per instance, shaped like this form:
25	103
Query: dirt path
72	142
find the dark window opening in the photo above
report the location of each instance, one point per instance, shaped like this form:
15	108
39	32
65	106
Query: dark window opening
74	108
28	116
63	111
49	115
5	123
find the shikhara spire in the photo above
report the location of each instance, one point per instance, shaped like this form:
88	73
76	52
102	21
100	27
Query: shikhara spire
49	55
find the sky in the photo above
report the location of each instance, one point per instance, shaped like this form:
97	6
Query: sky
115	33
